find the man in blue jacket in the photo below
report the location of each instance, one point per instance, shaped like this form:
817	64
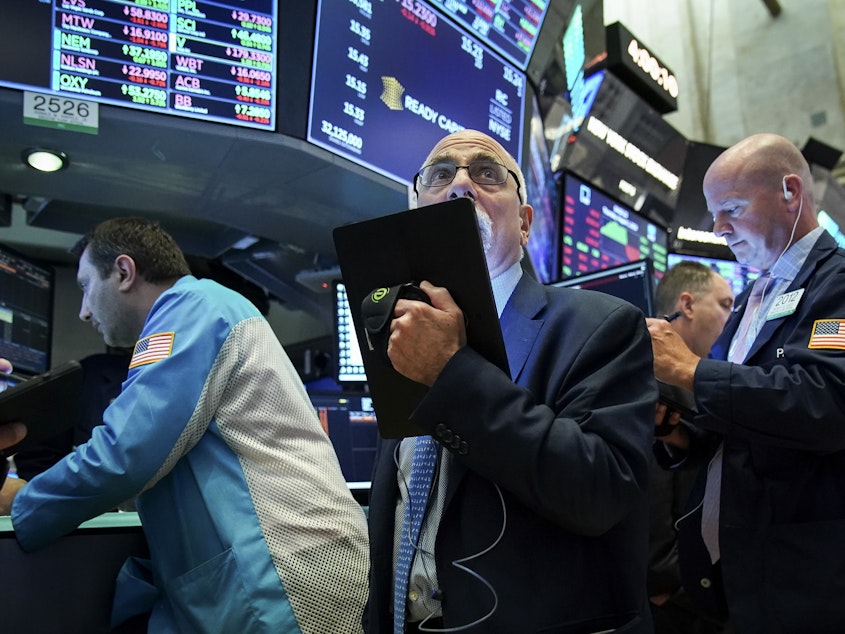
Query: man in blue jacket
537	520
763	540
250	524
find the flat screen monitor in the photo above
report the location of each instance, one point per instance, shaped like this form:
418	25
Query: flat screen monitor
738	275
623	146
26	312
543	194
565	114
633	282
510	27
350	421
214	61
349	364
390	79
598	231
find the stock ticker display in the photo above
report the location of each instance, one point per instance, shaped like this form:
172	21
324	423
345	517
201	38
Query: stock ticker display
509	26
214	61
599	232
382	67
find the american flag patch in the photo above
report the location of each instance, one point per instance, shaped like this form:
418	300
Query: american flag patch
828	333
151	349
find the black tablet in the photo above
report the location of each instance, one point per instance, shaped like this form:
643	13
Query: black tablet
439	243
47	404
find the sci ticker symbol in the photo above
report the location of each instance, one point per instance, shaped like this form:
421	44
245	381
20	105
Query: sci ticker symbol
392	93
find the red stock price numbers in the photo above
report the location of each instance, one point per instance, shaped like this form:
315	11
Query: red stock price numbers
420	15
252	76
142	75
147	17
150	37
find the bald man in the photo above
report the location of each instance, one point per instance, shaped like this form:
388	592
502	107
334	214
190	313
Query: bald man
764	544
538	517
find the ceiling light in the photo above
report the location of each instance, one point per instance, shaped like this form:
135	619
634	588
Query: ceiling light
45	160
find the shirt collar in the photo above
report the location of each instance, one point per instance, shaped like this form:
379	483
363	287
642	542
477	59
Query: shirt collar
787	267
503	285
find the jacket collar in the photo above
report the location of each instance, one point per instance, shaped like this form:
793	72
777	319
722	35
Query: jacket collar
521	322
824	247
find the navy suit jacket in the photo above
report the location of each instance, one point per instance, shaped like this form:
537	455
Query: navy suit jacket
567	442
782	418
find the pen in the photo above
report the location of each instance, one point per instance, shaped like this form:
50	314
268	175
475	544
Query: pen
673	316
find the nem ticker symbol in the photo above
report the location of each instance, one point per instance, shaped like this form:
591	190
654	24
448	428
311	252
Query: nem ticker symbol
391	95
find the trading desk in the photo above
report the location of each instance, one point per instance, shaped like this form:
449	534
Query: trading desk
68	586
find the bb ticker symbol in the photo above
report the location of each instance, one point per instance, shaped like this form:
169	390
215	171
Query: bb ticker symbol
391	95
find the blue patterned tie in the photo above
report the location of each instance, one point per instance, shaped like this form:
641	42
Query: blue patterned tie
419	484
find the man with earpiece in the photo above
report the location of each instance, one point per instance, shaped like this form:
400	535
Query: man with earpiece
537	518
762	540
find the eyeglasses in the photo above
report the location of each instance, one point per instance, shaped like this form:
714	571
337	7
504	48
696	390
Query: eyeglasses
481	172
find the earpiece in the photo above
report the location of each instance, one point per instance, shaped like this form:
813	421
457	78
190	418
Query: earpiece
786	193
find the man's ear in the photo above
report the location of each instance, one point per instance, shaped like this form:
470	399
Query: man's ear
526	217
685	302
127	272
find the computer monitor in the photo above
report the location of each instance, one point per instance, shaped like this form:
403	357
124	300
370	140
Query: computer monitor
622	144
633	282
738	275
350	421
349	364
209	61
599	231
388	83
511	28
543	194
27	290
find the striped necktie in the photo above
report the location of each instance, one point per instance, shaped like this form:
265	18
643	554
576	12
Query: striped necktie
745	335
419	485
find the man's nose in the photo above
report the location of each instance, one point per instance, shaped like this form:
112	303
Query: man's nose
720	227
462	185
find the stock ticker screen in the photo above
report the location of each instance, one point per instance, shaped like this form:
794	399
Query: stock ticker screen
509	26
26	312
384	67
214	61
599	232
